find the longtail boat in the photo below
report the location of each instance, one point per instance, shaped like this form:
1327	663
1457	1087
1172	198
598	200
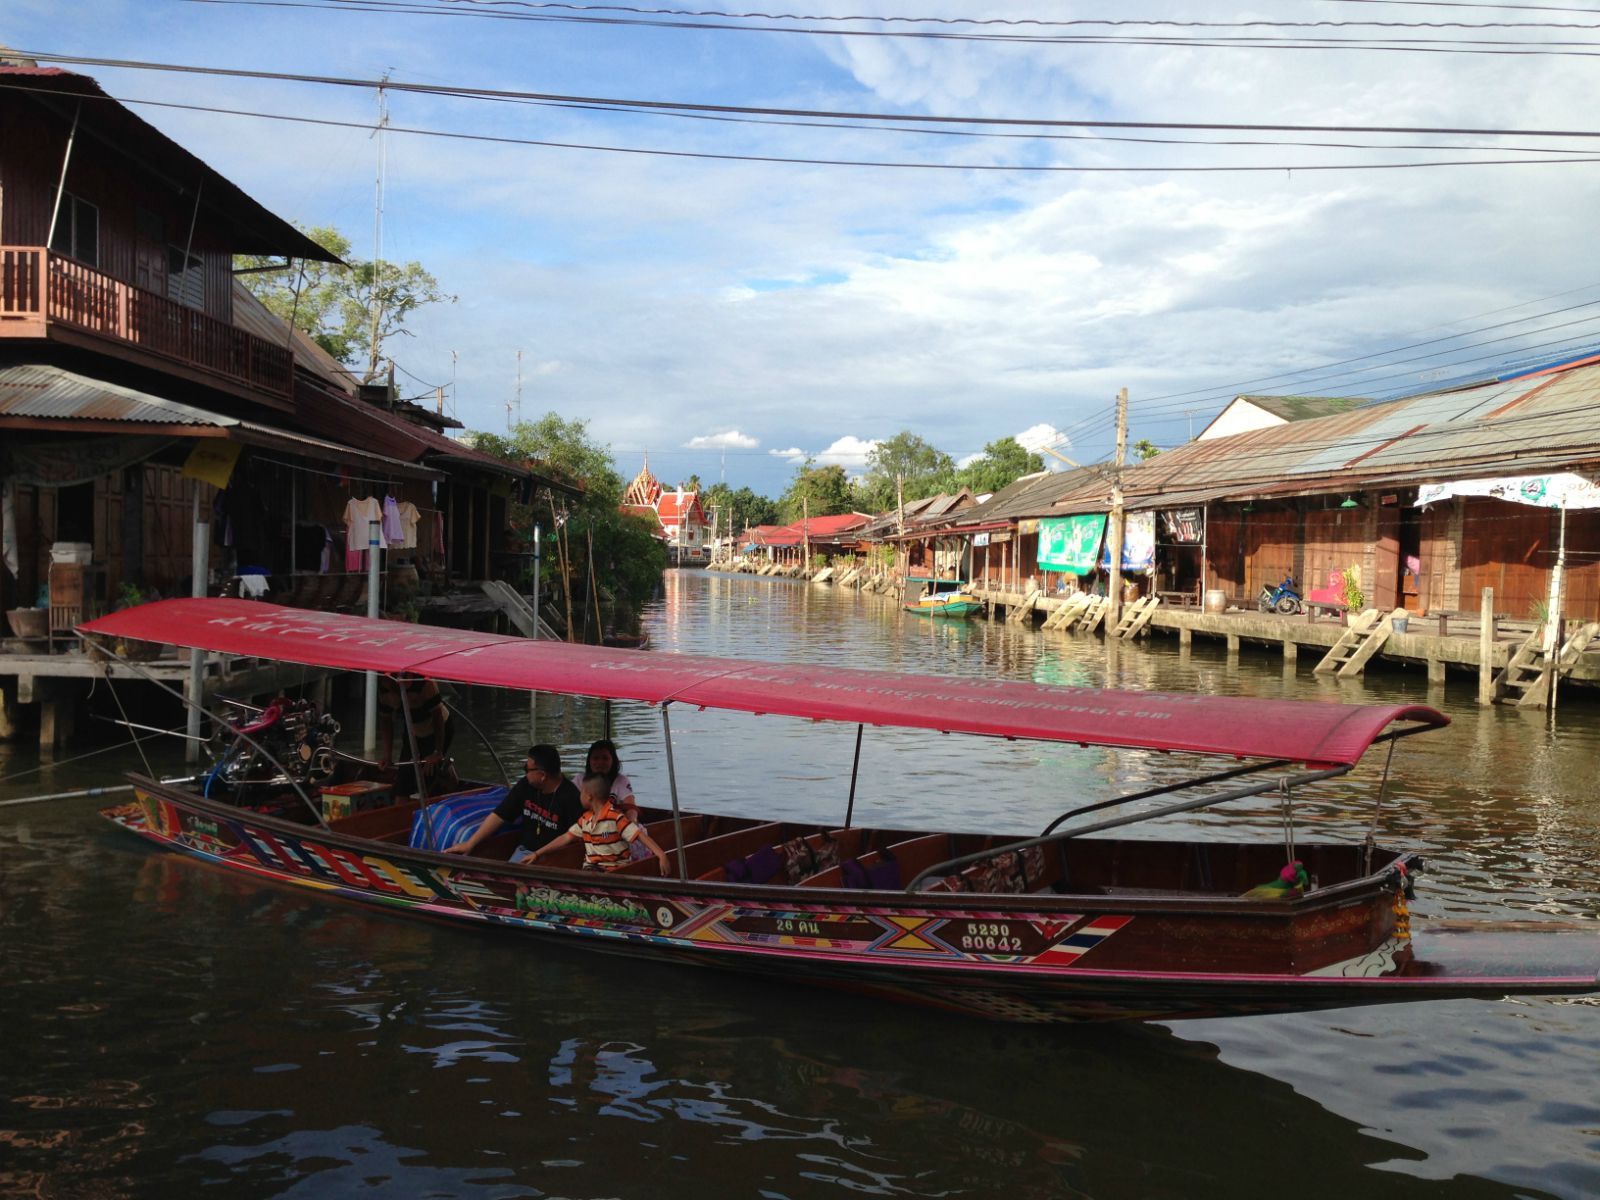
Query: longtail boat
1068	925
943	598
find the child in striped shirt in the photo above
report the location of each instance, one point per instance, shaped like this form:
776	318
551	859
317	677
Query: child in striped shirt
605	830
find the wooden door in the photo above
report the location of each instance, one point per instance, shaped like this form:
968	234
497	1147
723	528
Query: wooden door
168	535
1386	559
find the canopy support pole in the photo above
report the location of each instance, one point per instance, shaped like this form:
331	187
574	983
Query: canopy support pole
607	733
500	765
416	766
672	784
199	568
855	767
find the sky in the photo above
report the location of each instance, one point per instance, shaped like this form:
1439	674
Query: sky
734	318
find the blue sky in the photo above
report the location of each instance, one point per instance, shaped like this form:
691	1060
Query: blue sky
736	316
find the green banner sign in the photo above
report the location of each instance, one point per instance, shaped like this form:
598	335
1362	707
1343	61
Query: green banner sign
1071	543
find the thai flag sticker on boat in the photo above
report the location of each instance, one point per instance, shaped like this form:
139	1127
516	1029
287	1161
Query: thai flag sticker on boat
1070	949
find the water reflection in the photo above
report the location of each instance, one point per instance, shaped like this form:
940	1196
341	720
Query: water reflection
172	1028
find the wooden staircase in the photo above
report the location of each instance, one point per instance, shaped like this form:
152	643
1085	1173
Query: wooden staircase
1022	612
1099	606
1071	609
1136	616
1529	672
1365	637
510	602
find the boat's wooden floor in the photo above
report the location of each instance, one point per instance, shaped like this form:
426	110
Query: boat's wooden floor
743	850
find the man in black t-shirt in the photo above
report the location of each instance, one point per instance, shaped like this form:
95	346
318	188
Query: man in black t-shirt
544	800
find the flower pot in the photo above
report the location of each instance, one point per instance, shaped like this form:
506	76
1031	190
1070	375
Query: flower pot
29	622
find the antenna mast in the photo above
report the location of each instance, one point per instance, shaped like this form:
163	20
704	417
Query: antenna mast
375	348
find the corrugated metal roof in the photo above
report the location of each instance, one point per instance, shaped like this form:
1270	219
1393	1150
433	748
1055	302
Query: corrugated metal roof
30	390
1305	408
1551	418
46	393
254	317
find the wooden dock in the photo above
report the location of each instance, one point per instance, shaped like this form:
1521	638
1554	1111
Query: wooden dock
1440	645
58	684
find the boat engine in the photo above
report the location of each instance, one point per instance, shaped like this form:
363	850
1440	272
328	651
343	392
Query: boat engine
288	742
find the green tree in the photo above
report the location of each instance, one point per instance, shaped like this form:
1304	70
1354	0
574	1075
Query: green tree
348	309
1003	461
924	469
739	509
1146	449
817	491
628	557
378	297
308	295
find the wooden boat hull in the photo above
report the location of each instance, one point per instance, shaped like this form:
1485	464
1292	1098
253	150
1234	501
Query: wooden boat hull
1030	957
954	604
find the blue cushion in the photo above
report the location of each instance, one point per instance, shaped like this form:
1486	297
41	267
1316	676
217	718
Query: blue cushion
453	819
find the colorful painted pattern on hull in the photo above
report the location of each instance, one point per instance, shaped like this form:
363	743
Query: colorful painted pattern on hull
1015	964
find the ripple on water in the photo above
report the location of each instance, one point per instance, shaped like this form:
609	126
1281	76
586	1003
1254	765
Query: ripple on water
150	1002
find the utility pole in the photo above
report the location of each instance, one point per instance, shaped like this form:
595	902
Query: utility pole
805	527
375	293
1118	518
900	509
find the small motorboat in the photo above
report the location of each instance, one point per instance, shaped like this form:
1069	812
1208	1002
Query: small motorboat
942	598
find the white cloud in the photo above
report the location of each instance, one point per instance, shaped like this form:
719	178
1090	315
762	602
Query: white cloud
849	452
969	459
653	295
732	439
1043	434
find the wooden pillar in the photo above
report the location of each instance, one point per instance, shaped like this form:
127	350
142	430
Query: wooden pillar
1486	649
8	709
57	718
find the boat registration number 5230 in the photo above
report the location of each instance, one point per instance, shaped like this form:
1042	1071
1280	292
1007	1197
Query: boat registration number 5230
994	937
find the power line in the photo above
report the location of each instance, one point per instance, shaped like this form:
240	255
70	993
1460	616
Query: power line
393	85
582	13
712	156
681	19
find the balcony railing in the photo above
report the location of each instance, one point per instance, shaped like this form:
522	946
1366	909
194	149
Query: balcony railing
39	288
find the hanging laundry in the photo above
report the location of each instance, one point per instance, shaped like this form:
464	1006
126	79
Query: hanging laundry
392	533
409	516
438	536
360	515
325	563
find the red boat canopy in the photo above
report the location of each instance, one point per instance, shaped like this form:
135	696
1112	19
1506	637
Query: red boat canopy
1241	727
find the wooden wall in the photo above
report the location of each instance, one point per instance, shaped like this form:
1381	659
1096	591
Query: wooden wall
32	143
1512	548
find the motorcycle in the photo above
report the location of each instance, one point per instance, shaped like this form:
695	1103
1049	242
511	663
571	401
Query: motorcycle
1285	598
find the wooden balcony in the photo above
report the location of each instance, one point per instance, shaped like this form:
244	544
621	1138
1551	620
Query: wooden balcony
43	294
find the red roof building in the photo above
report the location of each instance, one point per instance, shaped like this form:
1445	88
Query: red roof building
679	515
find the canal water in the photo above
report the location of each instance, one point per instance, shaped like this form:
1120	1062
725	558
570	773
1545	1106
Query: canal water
166	1028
